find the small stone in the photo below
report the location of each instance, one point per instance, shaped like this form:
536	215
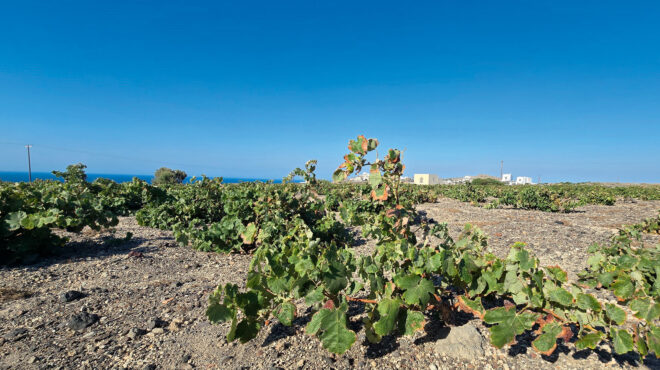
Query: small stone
175	325
158	330
149	367
71	295
16	334
155	323
135	333
300	364
433	367
462	342
32	360
82	320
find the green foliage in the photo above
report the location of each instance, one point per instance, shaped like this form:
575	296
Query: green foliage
487	181
30	211
411	274
166	176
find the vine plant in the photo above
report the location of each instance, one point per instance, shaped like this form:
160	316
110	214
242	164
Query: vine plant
417	271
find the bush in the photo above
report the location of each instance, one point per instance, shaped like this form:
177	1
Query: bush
487	182
166	176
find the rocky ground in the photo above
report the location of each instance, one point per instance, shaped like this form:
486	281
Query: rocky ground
109	303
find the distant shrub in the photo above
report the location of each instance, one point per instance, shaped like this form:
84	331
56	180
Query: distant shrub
73	173
487	182
166	176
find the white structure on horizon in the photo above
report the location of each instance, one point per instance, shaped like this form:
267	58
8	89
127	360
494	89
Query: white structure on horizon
523	180
506	177
426	179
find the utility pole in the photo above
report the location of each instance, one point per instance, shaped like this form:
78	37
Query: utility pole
501	169
29	162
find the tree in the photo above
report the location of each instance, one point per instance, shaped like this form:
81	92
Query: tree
165	176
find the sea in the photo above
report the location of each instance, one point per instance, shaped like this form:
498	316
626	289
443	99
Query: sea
24	177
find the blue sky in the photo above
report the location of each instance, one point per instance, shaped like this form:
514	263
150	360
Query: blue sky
564	90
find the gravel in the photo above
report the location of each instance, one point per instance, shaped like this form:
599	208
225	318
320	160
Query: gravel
148	312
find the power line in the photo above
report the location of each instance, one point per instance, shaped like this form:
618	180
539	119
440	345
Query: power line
127	158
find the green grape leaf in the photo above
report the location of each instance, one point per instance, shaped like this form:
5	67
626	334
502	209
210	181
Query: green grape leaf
623	288
561	296
653	340
645	309
509	324
615	314
286	312
589	340
588	302
557	273
388	309
417	290
247	330
330	326
219	313
621	340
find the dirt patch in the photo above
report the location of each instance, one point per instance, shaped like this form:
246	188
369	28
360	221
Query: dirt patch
11	294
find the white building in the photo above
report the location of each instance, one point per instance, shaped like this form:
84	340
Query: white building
506	177
363	177
523	180
426	179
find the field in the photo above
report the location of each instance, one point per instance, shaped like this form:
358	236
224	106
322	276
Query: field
314	274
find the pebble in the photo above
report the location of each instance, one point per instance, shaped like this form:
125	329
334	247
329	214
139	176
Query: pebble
82	320
70	296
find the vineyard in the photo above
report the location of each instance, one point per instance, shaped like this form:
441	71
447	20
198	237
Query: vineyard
304	268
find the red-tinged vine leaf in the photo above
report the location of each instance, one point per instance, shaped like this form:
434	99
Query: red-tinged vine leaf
546	343
329	304
364	143
566	333
393	156
249	233
380	193
543	321
471	306
508	304
414	322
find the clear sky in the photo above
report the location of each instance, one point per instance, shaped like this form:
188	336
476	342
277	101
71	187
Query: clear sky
565	90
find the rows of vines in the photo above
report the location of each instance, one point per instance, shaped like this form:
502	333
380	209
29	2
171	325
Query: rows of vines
303	258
